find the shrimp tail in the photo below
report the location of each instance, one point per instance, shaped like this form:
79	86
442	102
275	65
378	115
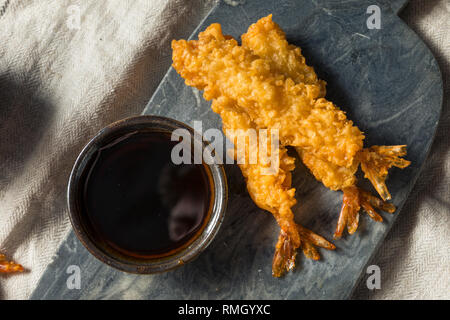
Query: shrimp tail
285	254
353	200
377	160
286	249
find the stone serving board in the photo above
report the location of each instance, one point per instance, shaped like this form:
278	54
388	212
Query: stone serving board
390	85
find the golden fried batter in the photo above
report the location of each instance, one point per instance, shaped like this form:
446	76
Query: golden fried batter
220	67
266	40
271	192
9	266
266	84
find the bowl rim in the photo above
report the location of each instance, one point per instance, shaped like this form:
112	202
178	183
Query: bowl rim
156	265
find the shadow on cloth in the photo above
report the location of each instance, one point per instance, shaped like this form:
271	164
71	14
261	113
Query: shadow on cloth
24	116
23	119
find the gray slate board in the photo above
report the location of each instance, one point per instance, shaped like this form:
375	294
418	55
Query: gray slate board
390	85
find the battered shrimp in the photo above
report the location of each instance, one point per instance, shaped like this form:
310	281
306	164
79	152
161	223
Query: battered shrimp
266	40
220	67
266	84
271	192
9	266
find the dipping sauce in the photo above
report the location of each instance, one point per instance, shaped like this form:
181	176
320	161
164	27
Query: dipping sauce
141	204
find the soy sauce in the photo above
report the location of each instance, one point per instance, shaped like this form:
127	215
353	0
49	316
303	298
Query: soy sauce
141	204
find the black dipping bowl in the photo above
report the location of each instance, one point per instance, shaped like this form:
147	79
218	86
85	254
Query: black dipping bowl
91	239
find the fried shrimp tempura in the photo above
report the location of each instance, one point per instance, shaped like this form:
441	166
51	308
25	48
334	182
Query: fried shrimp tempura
9	266
271	192
266	84
266	39
220	67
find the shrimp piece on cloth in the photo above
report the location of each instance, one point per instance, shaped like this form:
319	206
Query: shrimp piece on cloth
9	266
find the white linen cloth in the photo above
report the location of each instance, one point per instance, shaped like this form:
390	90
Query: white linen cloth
60	84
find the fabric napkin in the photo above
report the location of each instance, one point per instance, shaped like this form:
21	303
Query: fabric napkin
70	67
